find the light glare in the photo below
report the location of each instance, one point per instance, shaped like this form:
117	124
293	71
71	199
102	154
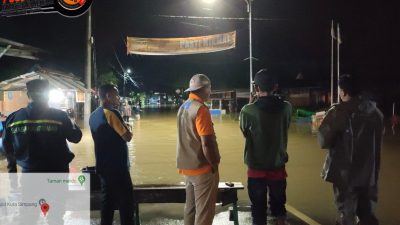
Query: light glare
56	96
209	1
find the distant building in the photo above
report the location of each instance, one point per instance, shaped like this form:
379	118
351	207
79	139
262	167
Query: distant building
299	97
309	97
229	101
158	99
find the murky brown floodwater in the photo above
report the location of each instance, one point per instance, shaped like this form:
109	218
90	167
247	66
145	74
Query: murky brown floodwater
152	155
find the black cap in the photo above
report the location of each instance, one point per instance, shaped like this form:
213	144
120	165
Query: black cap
37	85
266	79
348	83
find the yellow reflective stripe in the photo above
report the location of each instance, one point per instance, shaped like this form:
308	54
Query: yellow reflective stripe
34	121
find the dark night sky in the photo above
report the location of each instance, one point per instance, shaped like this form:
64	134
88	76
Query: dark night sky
296	39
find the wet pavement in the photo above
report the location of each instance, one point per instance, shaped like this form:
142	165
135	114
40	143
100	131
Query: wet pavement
161	216
152	155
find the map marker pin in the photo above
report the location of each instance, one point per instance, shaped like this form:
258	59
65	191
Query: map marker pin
81	179
45	208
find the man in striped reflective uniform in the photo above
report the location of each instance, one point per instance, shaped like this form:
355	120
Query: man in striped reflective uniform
35	137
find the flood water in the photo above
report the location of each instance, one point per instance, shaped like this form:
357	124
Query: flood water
152	154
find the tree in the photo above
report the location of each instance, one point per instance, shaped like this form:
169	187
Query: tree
108	77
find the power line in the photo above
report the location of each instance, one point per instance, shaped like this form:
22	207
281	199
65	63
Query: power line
217	18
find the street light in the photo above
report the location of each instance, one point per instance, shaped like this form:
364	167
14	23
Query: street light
126	74
250	44
249	9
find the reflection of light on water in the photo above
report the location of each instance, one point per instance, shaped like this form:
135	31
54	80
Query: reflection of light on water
301	129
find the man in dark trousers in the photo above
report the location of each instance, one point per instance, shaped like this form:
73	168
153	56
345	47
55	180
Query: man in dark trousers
265	125
111	134
36	137
352	131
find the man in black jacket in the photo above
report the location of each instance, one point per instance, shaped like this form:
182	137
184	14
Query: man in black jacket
35	137
352	131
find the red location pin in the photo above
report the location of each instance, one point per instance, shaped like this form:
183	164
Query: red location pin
45	208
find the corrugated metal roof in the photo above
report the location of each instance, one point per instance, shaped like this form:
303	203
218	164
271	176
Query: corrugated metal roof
57	79
16	49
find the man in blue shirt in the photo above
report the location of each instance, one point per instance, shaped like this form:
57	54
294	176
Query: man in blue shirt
110	135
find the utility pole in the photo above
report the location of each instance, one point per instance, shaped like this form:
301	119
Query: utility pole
88	70
332	44
124	88
339	41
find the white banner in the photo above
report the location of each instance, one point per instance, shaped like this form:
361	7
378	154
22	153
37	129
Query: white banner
181	46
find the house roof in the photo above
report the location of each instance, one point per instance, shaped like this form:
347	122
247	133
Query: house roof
57	80
16	49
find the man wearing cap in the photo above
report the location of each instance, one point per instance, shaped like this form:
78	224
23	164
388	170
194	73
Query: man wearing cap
36	136
197	153
265	124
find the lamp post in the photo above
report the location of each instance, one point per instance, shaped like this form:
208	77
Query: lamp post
249	11
126	74
250	44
